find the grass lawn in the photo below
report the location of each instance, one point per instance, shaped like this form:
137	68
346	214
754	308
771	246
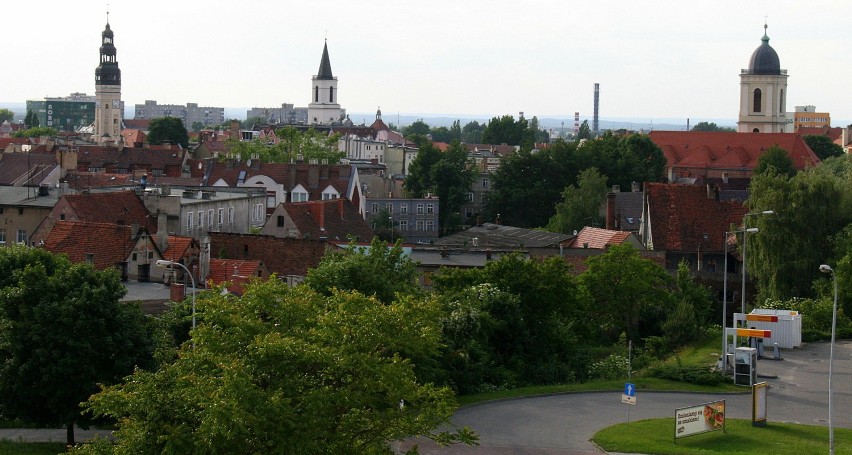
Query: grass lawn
31	448
656	436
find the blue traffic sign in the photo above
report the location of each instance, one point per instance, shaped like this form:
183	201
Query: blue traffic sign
630	390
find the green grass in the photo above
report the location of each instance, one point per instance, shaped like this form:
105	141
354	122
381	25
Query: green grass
656	436
31	448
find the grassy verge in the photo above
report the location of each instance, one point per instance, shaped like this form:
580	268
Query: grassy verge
656	436
31	448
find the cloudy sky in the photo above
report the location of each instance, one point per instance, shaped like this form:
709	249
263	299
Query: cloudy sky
653	59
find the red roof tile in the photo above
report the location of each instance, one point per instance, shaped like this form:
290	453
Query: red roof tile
106	244
177	248
597	238
313	177
283	256
335	219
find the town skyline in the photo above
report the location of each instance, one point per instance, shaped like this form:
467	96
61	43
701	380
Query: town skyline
470	60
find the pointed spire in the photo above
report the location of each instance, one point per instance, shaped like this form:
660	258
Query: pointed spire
324	72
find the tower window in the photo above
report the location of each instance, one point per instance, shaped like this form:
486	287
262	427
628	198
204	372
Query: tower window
757	100
316	94
781	105
331	94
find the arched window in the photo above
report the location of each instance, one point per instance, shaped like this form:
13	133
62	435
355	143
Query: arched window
331	94
755	130
757	100
781	107
316	94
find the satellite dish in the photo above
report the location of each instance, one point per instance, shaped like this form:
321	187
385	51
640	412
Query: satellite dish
248	162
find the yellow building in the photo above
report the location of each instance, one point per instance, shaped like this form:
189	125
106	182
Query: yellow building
806	116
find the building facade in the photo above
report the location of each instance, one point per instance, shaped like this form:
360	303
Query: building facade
68	113
324	108
191	114
763	92
287	114
807	117
108	107
415	219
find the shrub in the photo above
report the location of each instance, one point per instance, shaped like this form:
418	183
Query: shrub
612	367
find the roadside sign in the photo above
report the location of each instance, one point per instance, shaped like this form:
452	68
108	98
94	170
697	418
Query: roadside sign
629	395
700	419
758	404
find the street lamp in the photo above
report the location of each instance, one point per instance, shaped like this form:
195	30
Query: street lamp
745	234
725	290
824	268
166	263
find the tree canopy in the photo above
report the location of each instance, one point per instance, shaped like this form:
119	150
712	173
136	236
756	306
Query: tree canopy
507	130
6	114
711	127
775	160
36	131
168	129
283	370
822	146
581	204
64	331
293	144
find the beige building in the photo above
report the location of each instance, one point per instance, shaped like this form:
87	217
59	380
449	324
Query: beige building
22	209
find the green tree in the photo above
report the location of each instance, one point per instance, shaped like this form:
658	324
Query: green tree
31	119
456	132
581	204
506	130
775	159
380	271
197	126
446	175
285	370
419	128
37	131
6	114
64	331
168	129
584	132
822	146
711	127
630	293
293	144
440	134
472	132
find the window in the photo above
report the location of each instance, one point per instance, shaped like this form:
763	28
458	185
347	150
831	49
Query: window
375	207
189	222
419	225
221	216
419	209
430	209
22	236
485	183
270	199
90	258
258	212
757	99
403	208
2	235
470	197
210	218
430	225
331	94
468	212
299	197
200	219
389	207
230	215
280	222
403	225
316	95
329	196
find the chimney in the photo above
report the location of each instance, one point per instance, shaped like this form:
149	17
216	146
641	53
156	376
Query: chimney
610	211
235	129
635	187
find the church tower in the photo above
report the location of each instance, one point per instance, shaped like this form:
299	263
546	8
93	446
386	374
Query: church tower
107	93
763	92
324	108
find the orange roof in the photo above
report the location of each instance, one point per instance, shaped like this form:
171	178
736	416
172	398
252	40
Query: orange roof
106	244
177	248
597	238
725	150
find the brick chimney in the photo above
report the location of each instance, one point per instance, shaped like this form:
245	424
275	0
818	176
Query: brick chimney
317	209
610	211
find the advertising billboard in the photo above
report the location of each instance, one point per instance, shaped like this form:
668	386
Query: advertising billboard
700	419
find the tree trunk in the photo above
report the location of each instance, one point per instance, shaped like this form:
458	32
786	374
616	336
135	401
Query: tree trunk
69	434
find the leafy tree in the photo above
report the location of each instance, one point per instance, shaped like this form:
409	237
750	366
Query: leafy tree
440	134
777	160
456	131
37	131
31	119
168	129
822	146
472	132
380	271
711	127
419	128
581	204
197	126
630	293
535	317
6	114
285	370
446	175
505	130
293	144
584	132
64	332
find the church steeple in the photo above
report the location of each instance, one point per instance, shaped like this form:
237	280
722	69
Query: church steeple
107	72
763	91
108	104
324	72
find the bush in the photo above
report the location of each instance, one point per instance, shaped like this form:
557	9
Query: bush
700	375
612	367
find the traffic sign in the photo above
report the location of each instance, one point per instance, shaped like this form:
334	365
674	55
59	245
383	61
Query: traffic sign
630	389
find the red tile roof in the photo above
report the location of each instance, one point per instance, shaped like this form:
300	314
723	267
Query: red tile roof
335	219
684	218
283	256
597	238
170	161
832	133
724	150
313	177
224	270
178	245
138	124
106	244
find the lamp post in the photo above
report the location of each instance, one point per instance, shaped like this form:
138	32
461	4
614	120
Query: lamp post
167	263
824	268
725	290
745	234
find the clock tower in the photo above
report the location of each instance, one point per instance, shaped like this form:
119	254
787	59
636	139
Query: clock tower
108	104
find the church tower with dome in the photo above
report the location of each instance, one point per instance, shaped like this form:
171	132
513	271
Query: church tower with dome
763	92
108	105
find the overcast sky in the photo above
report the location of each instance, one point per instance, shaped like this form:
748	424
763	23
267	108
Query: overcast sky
653	59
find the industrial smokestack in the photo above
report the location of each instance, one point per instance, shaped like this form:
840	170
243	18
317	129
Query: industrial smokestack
595	119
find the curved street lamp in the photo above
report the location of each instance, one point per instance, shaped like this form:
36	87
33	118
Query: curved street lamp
166	263
824	268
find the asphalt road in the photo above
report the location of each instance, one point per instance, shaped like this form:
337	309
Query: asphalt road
562	424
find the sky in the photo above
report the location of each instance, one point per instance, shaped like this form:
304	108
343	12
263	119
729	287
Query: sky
468	58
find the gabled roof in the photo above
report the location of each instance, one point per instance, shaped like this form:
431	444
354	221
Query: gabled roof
725	150
20	169
178	245
490	235
313	177
116	207
138	124
832	133
157	157
335	219
108	244
597	238
688	217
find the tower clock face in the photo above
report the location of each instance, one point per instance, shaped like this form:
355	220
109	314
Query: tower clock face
115	104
